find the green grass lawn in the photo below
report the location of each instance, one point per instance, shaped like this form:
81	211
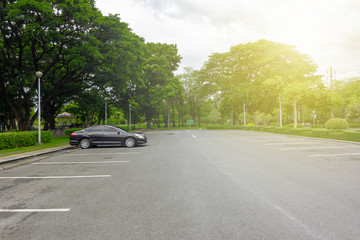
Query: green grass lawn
55	142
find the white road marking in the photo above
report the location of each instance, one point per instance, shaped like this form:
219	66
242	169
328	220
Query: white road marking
97	154
287	143
193	136
57	177
304	148
60	163
334	155
34	210
268	140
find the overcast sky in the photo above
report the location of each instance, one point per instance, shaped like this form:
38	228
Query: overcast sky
327	30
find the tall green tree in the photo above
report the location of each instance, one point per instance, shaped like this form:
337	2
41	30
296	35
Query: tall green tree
160	61
255	73
71	42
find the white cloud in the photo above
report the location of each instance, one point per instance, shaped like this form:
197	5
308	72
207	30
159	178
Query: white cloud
327	30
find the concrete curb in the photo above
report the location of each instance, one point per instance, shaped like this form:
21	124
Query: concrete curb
30	155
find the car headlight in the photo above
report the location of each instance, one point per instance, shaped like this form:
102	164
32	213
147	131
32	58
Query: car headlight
139	136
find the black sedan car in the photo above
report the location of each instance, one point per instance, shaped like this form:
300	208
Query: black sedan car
106	135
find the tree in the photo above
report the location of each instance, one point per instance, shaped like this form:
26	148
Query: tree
160	61
71	42
255	74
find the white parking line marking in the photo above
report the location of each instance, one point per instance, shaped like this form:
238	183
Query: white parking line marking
97	154
304	148
51	163
193	136
268	140
34	210
287	143
334	155
58	177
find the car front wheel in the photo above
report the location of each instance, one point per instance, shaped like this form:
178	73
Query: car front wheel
130	142
85	143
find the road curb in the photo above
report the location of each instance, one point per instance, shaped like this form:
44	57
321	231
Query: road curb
30	155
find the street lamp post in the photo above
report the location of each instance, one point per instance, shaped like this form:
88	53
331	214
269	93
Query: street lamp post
280	110
129	117
39	75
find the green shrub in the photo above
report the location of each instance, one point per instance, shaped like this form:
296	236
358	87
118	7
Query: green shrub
23	139
320	133
318	126
300	132
221	127
126	127
336	123
71	130
250	125
351	136
338	135
354	125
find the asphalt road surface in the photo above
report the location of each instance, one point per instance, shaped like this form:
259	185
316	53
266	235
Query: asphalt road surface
194	184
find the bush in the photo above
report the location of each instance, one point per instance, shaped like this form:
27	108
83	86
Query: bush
220	127
250	125
318	126
71	130
351	136
291	125
126	127
23	139
336	123
338	135
320	133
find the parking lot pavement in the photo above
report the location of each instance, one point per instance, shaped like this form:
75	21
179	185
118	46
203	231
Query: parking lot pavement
188	185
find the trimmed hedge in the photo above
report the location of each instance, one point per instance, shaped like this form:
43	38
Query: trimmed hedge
351	136
220	127
23	139
71	130
320	133
318	126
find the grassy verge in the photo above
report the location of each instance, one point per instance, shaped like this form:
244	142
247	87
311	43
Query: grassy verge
55	142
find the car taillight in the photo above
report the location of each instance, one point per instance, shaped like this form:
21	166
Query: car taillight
73	134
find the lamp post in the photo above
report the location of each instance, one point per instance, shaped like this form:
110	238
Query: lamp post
129	117
106	109
280	110
39	75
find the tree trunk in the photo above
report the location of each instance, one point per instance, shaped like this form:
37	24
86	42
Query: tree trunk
88	123
295	112
148	124
166	118
173	116
199	117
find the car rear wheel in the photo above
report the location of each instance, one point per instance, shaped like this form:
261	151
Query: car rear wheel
85	143
130	142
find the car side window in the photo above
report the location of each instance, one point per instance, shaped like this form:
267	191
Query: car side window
97	129
110	129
